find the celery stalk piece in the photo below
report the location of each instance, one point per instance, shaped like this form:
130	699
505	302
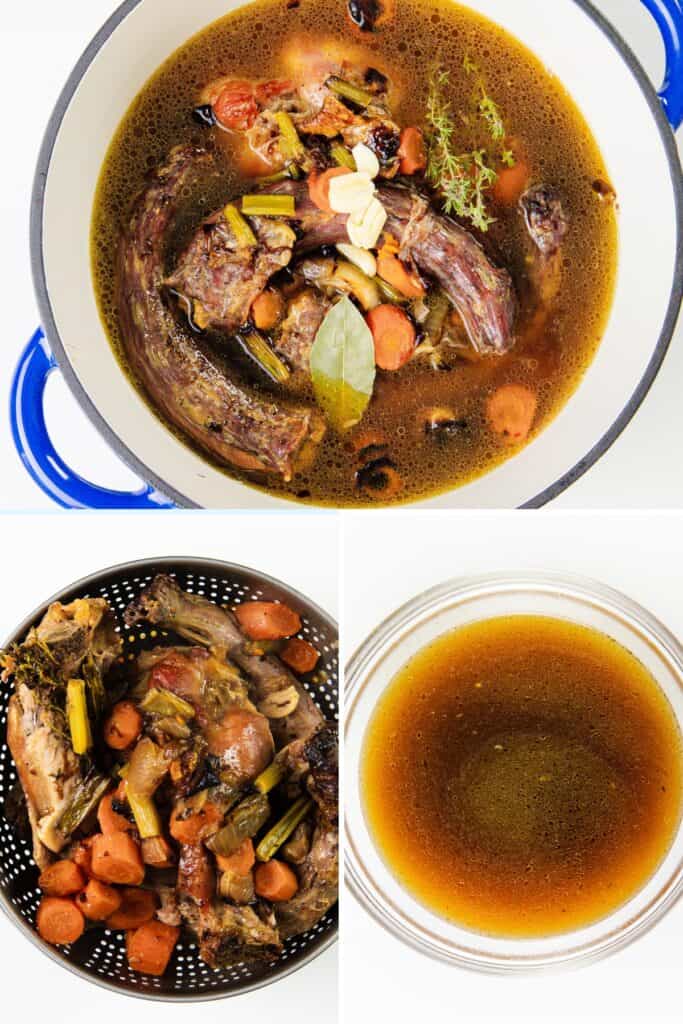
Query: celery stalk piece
145	814
268	206
342	156
77	715
269	778
163	702
291	145
243	234
84	800
347	91
282	830
261	353
242	823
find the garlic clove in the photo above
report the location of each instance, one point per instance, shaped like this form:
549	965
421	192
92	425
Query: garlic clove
366	161
350	193
364	229
360	258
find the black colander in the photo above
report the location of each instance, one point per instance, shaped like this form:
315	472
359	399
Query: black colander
100	954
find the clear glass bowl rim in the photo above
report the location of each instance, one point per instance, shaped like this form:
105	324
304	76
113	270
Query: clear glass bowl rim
387	634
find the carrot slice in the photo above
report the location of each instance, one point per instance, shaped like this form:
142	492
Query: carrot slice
110	819
412	151
191	826
319	187
275	881
59	921
394	272
149	947
98	900
267	309
267	620
510	183
136	907
240	862
123	726
393	334
82	855
63	878
511	411
116	858
300	655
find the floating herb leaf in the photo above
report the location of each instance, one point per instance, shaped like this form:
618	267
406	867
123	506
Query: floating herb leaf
343	365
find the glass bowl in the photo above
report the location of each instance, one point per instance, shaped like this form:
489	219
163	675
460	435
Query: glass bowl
372	668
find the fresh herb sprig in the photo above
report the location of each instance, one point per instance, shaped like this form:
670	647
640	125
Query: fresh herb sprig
462	178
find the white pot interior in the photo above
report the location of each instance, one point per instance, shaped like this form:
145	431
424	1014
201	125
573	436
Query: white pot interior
572	46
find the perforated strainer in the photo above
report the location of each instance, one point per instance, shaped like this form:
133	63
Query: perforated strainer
99	955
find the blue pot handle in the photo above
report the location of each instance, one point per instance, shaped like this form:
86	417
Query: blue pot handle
37	452
669	17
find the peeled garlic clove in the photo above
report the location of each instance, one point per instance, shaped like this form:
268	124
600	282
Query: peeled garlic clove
366	161
364	229
360	258
280	704
350	193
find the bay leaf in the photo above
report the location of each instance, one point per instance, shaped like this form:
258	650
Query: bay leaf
343	365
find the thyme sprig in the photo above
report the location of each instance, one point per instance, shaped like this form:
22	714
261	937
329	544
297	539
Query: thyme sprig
462	178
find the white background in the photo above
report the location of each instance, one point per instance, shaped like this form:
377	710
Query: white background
41	41
390	559
41	556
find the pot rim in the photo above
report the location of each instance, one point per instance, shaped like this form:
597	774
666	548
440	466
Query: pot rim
83	584
148	475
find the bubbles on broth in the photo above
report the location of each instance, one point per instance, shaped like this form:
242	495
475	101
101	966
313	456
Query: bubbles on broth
535	108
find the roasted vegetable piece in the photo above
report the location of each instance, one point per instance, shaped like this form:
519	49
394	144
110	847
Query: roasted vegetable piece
319	187
242	823
412	151
392	270
193	821
110	816
77	716
146	768
136	907
511	411
163	702
241	861
157	852
269	778
267	309
300	655
98	900
281	831
393	335
123	726
275	881
267	620
145	813
83	801
63	878
116	858
149	947
59	921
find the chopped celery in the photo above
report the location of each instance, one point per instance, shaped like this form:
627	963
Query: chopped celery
261	353
242	823
84	800
77	716
163	702
145	814
240	229
268	206
269	778
342	156
282	830
347	91
291	145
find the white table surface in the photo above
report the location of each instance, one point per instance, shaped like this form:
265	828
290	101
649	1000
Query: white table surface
42	555
39	44
390	559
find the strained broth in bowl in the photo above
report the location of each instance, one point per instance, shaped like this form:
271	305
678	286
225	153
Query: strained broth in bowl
523	776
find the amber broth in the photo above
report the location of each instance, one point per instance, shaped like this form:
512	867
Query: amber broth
536	109
522	776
